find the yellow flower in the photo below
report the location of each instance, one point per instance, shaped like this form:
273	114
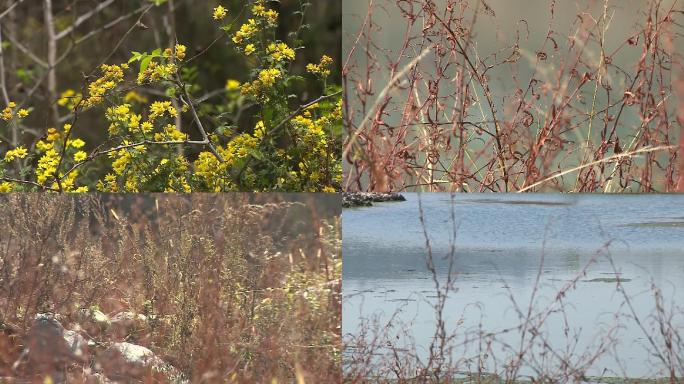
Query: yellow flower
261	11
76	143
321	68
119	165
23	113
158	108
232	84
6	187
268	76
64	98
259	130
112	75
47	165
6	113
44	146
83	189
147	127
249	49
19	152
80	156
180	51
246	31
280	51
156	72
69	99
220	13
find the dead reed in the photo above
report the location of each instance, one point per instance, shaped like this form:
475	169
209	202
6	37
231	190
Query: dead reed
573	99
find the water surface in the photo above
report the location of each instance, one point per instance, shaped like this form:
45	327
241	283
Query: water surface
502	243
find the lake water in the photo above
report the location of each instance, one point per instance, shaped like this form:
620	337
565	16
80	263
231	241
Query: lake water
501	241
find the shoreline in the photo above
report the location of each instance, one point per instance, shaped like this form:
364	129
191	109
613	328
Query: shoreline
366	199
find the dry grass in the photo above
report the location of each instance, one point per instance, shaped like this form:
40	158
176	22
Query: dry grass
234	287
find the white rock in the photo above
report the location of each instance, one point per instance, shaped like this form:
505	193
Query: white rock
129	316
124	323
93	321
126	360
77	344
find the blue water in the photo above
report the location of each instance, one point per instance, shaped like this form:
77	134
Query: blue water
502	242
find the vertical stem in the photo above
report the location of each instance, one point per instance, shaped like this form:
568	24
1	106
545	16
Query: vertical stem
14	128
51	60
3	85
170	24
680	119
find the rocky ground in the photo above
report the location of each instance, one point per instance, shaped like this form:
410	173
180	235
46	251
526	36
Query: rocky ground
76	354
366	199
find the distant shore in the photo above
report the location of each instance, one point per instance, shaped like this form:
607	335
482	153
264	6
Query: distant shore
366	199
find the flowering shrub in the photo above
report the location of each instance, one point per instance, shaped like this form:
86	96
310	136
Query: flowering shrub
289	145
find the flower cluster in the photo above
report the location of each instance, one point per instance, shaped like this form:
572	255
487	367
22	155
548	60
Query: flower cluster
50	149
11	111
19	152
322	68
169	139
261	87
69	99
280	52
178	52
156	72
246	32
112	75
269	15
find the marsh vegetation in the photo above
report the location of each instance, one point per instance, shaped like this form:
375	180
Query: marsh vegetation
446	95
166	288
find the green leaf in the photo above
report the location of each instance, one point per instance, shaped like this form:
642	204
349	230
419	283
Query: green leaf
294	79
256	154
136	56
145	63
267	114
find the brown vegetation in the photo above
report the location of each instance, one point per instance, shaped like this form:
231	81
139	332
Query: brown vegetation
587	108
221	288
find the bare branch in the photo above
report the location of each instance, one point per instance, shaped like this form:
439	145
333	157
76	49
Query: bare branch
83	18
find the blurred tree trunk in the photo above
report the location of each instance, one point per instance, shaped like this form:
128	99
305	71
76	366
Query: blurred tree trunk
170	24
51	62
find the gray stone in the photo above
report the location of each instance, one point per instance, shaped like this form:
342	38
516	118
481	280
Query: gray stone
365	199
126	361
49	347
93	321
